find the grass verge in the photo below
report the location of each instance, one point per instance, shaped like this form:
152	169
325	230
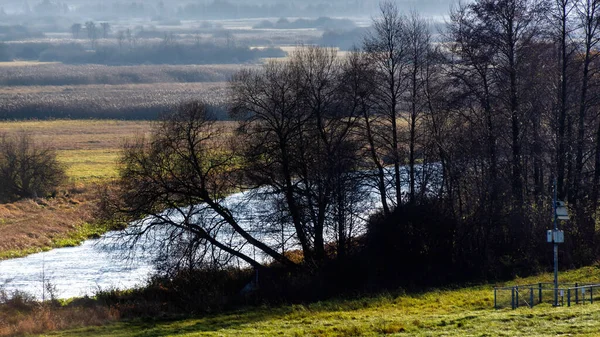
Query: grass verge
460	312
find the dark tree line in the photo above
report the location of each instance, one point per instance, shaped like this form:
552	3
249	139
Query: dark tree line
459	139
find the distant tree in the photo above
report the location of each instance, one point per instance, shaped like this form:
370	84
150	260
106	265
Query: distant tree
92	32
105	29
76	30
121	39
27	169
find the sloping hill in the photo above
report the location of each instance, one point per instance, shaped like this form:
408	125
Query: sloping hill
461	312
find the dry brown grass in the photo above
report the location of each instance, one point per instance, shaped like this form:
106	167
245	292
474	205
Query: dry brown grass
71	135
18	317
89	148
37	224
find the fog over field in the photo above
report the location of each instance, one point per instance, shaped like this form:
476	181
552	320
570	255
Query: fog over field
213	9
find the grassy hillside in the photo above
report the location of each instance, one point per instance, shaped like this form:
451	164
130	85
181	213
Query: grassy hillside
462	312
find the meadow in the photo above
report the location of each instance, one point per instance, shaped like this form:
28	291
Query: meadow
457	312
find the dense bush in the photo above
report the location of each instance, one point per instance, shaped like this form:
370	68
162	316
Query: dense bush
188	292
27	169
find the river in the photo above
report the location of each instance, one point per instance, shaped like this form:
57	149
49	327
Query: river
99	264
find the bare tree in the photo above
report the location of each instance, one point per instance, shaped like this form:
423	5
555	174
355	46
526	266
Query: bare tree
179	178
561	15
388	48
418	38
92	33
510	26
121	39
298	135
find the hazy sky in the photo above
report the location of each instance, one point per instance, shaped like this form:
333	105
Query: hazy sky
437	7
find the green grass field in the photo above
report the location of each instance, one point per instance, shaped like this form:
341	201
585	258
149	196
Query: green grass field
90	165
462	312
89	148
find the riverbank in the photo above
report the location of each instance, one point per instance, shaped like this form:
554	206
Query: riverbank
462	312
34	225
89	149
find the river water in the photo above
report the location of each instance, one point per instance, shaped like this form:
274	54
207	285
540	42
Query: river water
99	263
74	271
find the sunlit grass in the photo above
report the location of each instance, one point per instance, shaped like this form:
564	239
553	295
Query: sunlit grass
88	148
90	165
461	312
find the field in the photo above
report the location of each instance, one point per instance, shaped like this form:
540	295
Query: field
461	312
38	73
90	149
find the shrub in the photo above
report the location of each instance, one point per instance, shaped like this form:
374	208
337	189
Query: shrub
27	170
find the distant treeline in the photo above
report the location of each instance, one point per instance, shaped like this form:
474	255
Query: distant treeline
147	53
322	23
18	32
343	39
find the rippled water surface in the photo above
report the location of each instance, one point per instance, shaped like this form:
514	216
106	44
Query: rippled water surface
73	271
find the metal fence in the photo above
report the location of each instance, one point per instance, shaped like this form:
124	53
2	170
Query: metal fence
530	295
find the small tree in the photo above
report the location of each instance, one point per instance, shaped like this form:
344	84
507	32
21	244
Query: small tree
92	32
105	29
27	170
76	30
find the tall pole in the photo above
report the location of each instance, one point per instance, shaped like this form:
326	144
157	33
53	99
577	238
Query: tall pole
555	247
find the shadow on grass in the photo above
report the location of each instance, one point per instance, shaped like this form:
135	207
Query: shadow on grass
232	320
180	325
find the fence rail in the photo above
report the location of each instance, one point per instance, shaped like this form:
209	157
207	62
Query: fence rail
530	295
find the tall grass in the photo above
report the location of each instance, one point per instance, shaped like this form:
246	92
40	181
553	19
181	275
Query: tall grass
20	314
42	74
141	101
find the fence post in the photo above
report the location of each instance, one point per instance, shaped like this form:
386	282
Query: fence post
569	297
531	297
512	298
517	296
576	293
591	295
495	299
540	294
